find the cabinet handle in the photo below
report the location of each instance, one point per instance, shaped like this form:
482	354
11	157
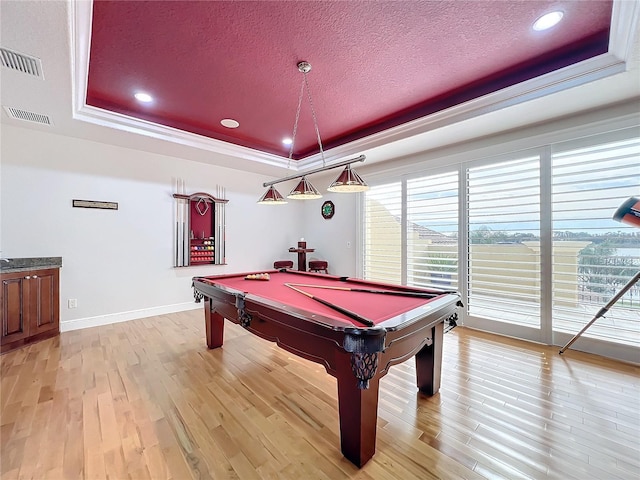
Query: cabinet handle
35	276
27	277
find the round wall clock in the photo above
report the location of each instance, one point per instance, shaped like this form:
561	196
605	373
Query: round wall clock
328	209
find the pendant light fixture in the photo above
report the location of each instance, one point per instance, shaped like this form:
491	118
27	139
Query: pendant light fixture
304	191
348	181
272	197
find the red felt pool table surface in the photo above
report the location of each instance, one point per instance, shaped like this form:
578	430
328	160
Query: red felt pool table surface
372	306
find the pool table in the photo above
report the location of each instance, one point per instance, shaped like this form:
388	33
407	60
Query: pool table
356	329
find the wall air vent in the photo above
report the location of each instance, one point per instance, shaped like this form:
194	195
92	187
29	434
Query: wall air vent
21	62
28	116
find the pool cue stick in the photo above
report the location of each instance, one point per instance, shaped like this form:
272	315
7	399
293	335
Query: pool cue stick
603	310
177	259
183	261
186	244
367	290
440	292
337	308
180	226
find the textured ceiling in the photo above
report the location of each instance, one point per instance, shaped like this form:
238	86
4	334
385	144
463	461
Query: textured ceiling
376	64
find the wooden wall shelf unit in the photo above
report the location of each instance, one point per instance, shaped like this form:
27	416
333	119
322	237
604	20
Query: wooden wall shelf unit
200	229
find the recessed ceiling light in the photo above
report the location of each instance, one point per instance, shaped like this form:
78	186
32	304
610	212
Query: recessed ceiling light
143	97
547	20
229	123
287	141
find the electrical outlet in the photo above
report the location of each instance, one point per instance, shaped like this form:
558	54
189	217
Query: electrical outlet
72	303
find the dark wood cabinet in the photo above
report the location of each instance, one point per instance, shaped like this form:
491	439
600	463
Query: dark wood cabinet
30	302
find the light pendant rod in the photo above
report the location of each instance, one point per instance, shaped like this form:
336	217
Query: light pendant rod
361	158
305	67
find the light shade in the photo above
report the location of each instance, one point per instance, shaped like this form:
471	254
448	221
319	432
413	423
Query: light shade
304	191
272	197
348	181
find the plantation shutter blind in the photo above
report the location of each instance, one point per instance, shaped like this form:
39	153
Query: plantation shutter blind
432	231
382	239
503	202
593	255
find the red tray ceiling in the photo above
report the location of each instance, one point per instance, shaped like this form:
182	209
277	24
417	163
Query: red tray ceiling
375	64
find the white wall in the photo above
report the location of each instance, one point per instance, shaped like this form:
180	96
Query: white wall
334	239
119	264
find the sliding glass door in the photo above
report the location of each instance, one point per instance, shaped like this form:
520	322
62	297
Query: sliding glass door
382	236
432	231
503	247
528	239
594	256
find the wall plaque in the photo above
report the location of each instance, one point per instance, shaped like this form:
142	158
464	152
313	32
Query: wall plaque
95	204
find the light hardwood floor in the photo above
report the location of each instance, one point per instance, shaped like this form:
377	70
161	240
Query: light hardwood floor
147	399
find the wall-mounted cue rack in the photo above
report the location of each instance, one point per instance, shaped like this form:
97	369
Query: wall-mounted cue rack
199	228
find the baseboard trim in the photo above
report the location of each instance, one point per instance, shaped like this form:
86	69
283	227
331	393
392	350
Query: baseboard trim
79	323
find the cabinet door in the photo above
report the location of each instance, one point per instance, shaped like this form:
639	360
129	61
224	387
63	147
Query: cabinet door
15	307
44	301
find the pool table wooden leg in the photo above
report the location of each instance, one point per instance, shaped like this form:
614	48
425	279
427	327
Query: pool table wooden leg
358	411
214	325
429	362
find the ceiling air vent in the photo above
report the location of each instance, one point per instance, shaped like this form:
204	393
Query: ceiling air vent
28	116
21	62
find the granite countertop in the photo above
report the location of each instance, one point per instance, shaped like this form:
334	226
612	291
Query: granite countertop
9	265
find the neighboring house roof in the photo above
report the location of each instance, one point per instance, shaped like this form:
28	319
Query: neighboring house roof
425	233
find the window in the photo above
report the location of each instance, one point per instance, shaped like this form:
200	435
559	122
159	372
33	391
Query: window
504	241
527	238
432	231
382	233
593	255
